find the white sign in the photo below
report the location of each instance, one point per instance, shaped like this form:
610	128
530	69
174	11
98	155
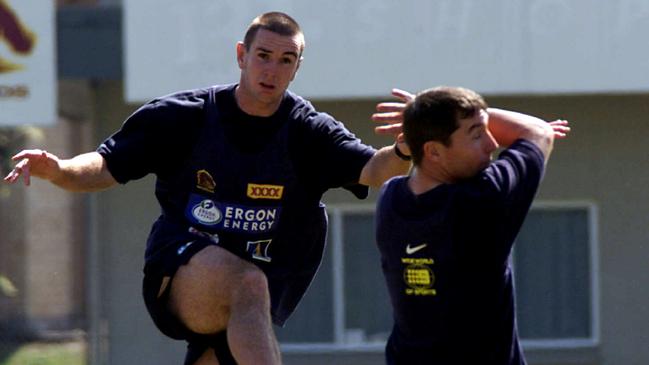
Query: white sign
363	48
27	63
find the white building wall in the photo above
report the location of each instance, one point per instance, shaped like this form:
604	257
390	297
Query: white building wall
364	48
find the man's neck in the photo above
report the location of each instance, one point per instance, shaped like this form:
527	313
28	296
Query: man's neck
250	106
422	180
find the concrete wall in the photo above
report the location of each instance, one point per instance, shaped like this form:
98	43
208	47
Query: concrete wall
43	233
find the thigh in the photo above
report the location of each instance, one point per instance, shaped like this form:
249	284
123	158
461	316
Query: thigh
201	291
158	276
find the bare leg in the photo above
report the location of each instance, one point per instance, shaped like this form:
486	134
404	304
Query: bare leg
250	314
217	290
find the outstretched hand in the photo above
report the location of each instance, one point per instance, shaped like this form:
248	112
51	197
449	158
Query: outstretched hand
391	114
561	128
37	163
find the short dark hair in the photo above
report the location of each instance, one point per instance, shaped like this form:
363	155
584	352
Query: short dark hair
275	22
433	115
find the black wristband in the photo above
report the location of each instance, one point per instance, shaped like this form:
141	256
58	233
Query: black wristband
400	154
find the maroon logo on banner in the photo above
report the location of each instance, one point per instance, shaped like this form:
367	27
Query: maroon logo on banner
13	32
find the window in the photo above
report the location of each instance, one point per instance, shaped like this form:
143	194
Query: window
555	265
555	268
347	305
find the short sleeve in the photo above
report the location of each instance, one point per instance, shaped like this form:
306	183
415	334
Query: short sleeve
338	156
155	138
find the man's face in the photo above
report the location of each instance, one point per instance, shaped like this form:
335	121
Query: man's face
268	67
470	150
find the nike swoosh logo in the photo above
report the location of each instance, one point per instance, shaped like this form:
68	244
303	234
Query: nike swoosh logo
411	250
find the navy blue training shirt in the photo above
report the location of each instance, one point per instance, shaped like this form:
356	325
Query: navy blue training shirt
445	258
253	182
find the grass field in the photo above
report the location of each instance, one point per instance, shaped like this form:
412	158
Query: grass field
63	353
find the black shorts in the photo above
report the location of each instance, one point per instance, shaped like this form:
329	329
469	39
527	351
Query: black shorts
165	265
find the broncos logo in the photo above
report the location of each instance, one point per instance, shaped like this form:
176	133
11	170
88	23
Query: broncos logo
12	31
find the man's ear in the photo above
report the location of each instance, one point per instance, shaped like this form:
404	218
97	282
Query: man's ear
433	150
241	52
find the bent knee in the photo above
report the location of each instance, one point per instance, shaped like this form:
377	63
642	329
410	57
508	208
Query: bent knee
252	284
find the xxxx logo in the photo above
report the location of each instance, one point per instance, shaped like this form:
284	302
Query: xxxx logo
20	39
257	191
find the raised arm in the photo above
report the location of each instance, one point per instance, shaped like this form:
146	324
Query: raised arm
382	166
508	126
83	173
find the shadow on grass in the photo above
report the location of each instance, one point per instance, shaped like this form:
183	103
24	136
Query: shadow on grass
13	336
7	349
